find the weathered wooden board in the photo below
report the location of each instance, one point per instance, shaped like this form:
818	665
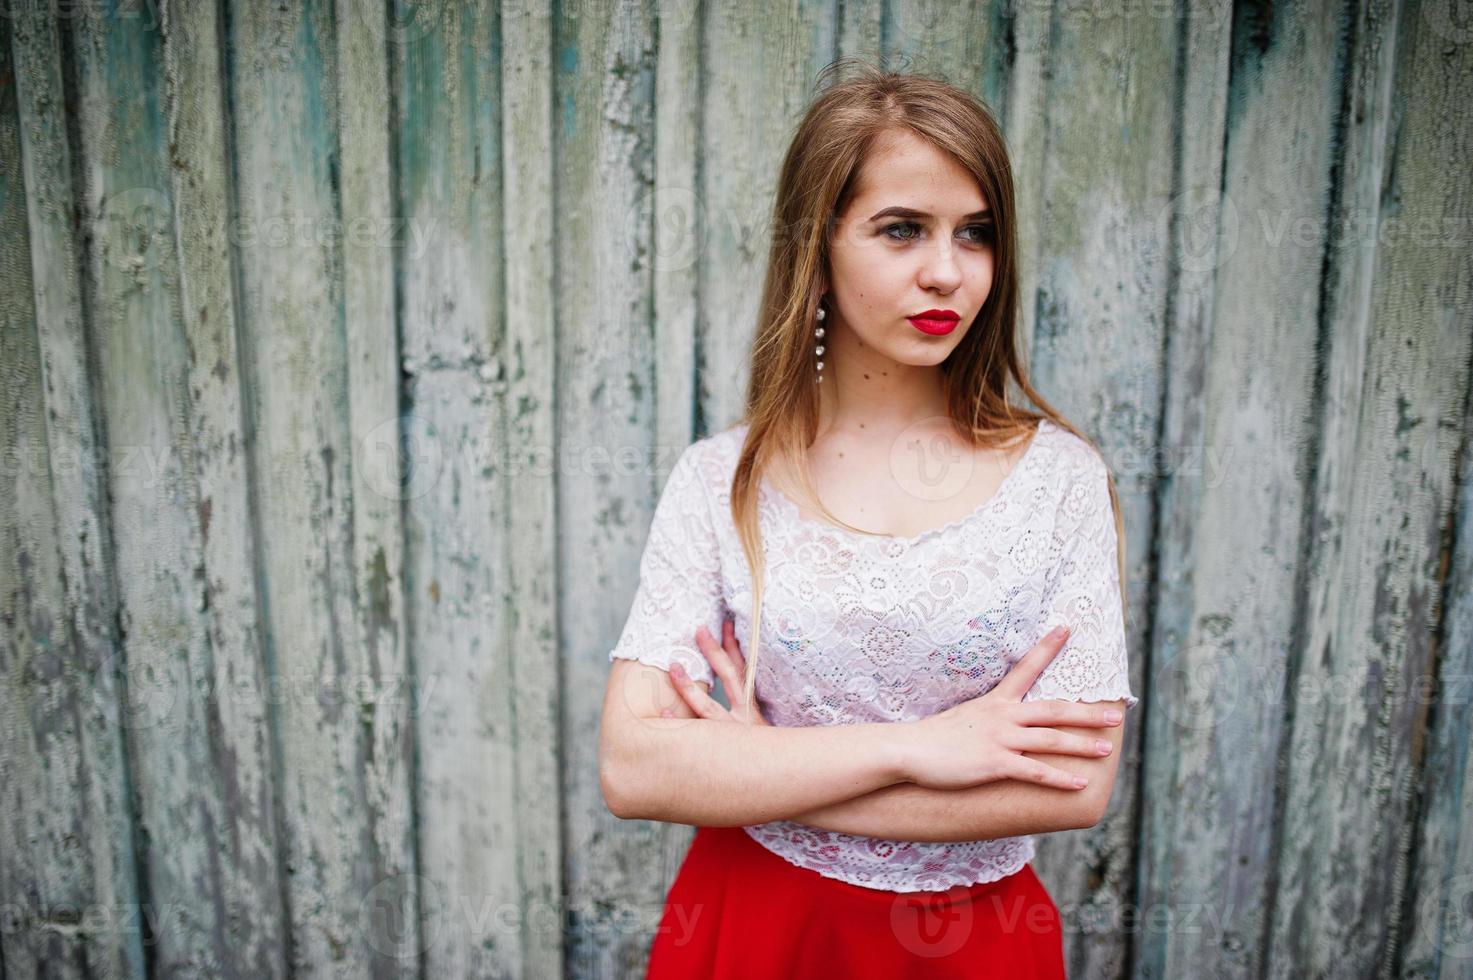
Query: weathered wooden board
238	720
167	396
1396	289
67	852
1099	333
1189	467
604	85
1436	935
1020	101
378	660
533	602
750	106
474	180
1216	682
448	147
320	360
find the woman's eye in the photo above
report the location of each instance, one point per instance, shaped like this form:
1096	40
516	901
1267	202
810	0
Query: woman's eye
982	233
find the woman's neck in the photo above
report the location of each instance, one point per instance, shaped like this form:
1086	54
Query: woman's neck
863	390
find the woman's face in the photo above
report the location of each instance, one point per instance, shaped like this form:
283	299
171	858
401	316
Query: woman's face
916	237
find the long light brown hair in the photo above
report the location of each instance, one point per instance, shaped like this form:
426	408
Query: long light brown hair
814	188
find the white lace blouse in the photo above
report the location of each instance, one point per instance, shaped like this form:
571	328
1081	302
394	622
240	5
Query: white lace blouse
859	628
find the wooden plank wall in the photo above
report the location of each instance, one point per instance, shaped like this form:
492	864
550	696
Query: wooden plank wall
346	347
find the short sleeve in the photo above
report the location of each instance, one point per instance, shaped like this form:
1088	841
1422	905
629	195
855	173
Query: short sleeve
679	578
1083	593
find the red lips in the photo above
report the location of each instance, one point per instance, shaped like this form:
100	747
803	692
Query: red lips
935	322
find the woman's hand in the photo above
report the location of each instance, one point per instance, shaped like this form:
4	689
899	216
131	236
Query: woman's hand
730	666
982	739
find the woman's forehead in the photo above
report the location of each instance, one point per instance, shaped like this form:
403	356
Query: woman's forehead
903	170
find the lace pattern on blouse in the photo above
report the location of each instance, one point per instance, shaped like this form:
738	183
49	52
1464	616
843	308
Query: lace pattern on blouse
859	628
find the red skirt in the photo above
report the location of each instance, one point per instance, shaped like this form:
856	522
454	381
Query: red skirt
737	910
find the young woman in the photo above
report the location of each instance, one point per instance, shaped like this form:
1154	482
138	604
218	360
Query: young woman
896	540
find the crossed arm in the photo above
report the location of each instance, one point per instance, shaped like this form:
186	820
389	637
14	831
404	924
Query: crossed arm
855	779
907	811
1005	808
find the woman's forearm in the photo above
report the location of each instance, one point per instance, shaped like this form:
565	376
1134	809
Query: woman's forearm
718	774
1004	808
905	811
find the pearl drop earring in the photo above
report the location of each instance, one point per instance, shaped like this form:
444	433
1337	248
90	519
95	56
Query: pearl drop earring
818	335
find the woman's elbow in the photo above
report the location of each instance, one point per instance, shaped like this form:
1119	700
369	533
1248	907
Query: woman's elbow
1093	801
614	799
615	782
1087	816
625	779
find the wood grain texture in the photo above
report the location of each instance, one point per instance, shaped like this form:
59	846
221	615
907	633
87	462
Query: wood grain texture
208	848
378	657
1435	939
1022	109
532	601
449	147
1189	467
1397	378
68	855
606	464
238	719
330	600
751	105
1211	804
1099	333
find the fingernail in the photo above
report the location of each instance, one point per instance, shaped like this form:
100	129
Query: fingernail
676	670
1081	782
1058	632
1112	716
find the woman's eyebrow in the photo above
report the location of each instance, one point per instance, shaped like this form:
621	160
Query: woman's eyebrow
899	212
